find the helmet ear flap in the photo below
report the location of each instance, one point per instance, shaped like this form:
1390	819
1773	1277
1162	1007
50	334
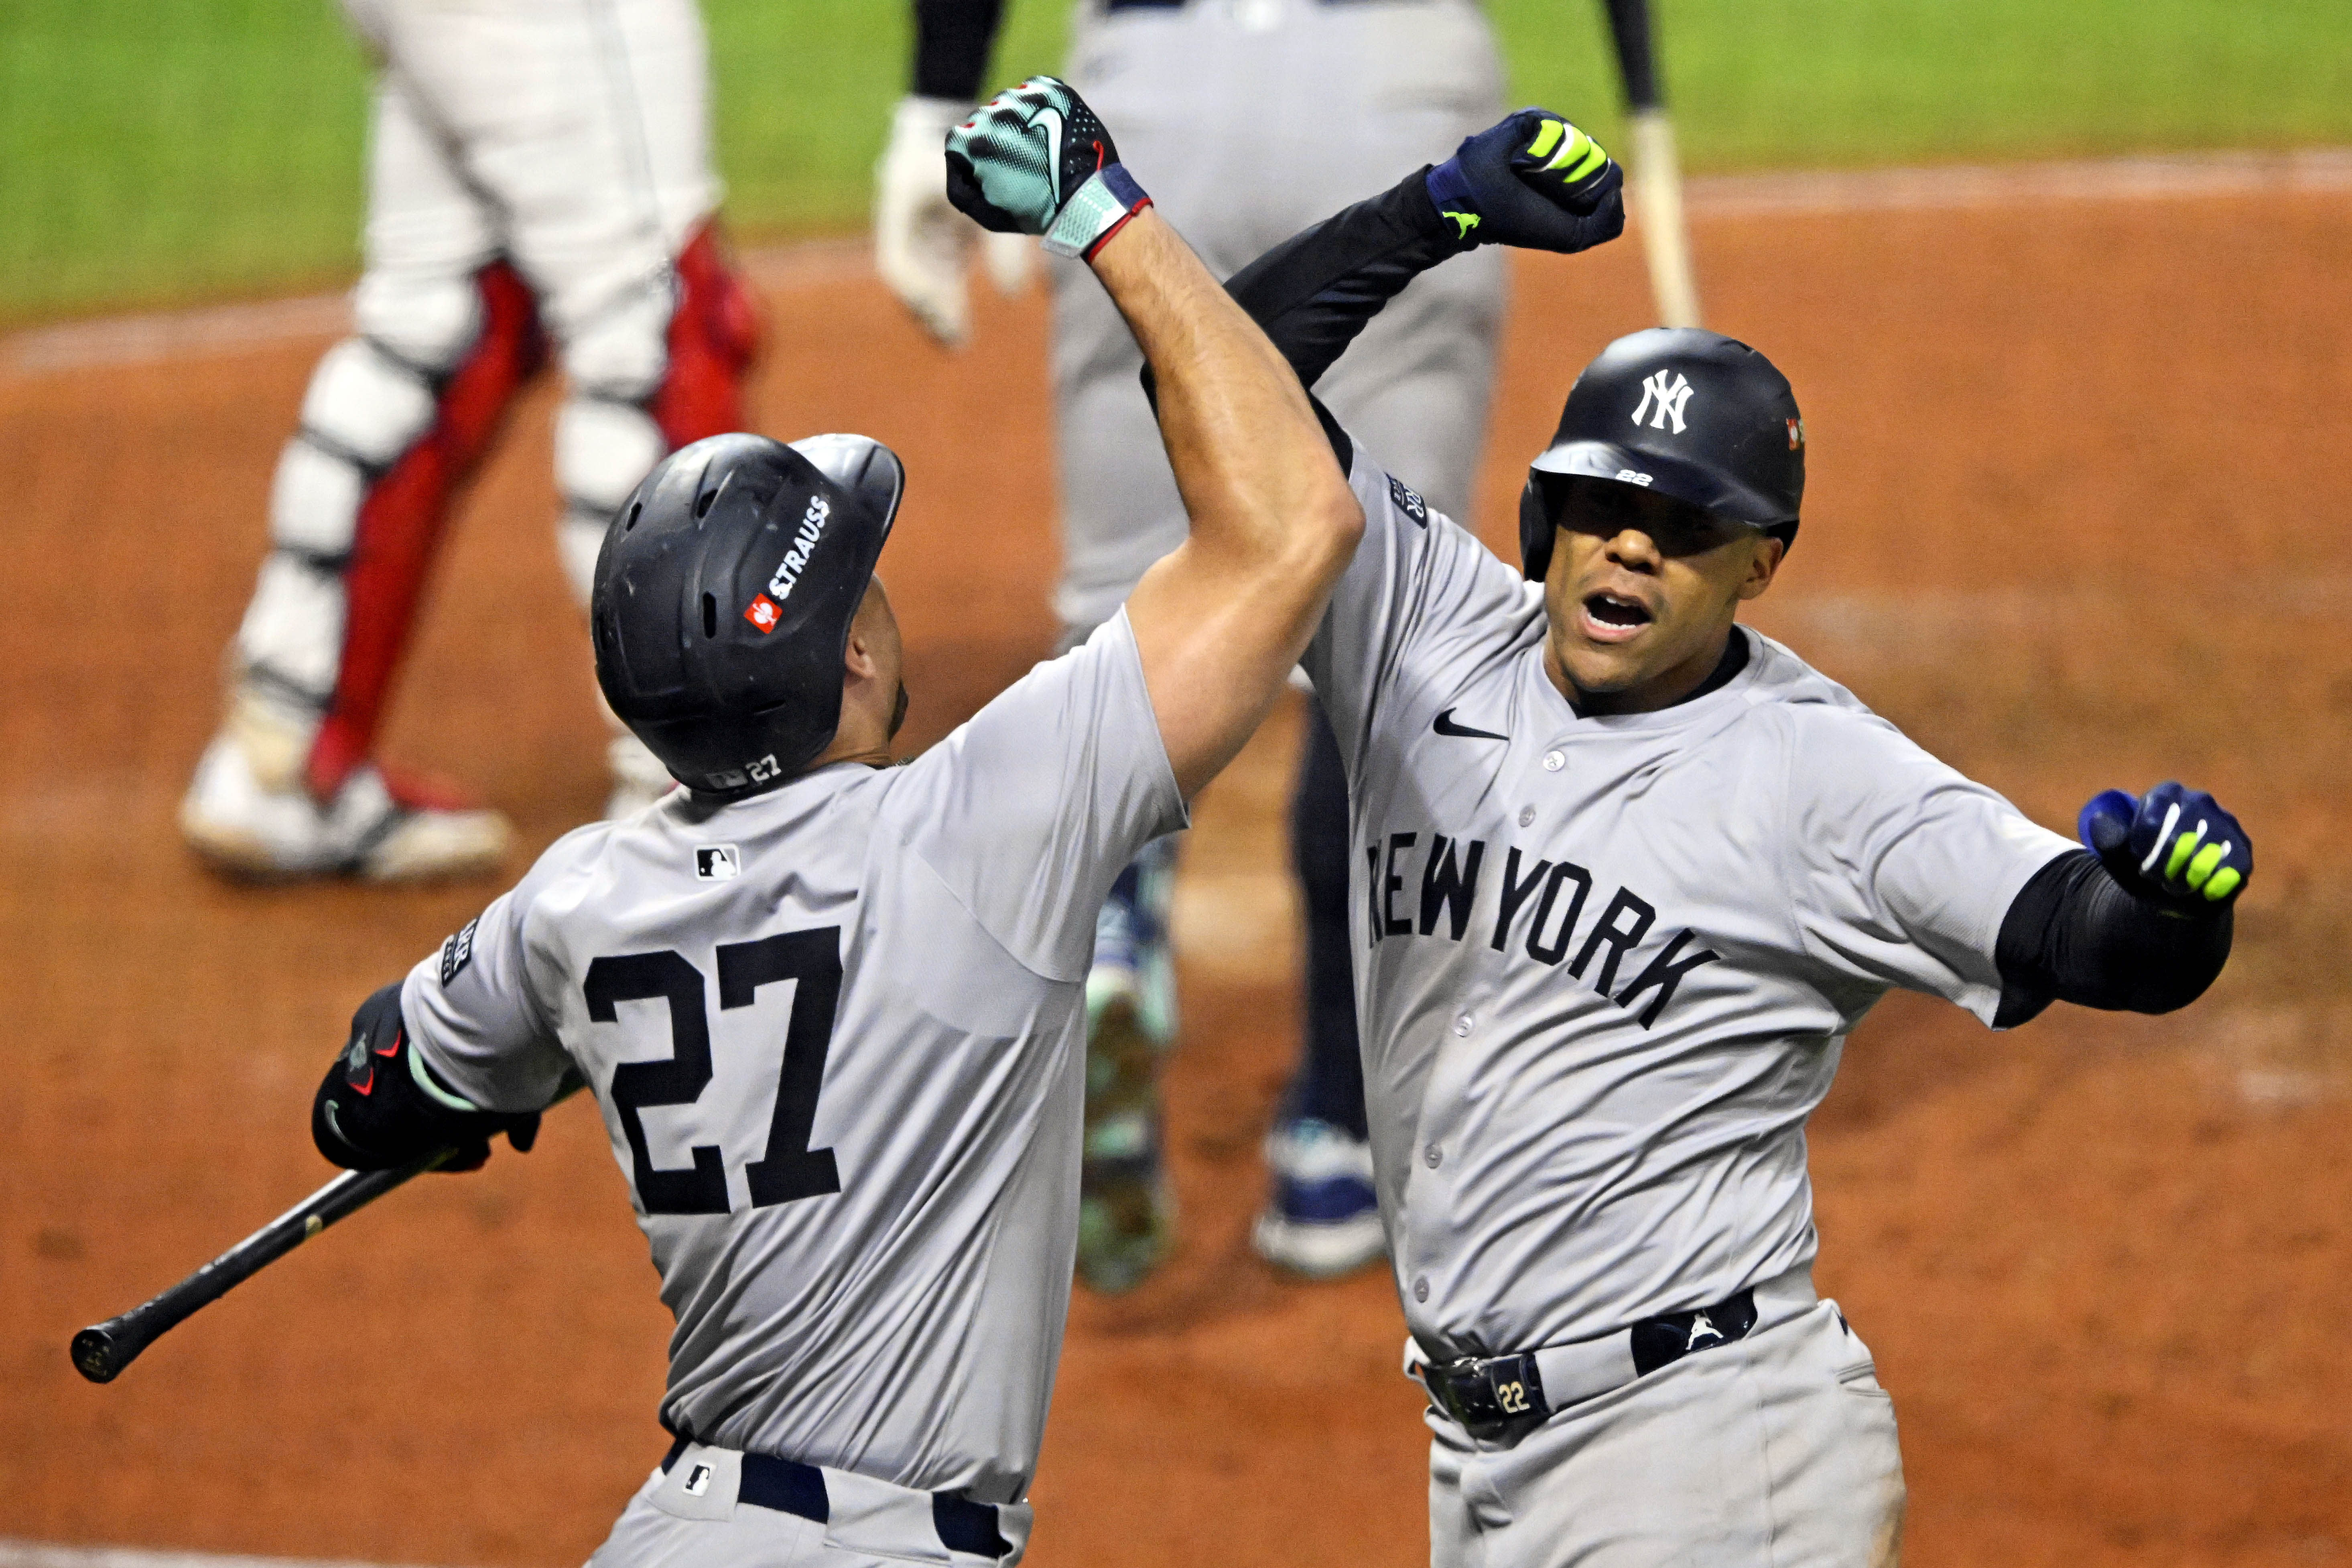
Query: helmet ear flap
1535	529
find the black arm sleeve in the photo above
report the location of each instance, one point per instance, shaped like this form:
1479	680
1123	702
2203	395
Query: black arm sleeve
1313	293
2074	935
374	1110
953	38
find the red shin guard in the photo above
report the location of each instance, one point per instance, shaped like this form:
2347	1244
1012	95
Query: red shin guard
712	339
403	516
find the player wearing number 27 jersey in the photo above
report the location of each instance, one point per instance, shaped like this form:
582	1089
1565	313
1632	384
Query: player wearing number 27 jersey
866	988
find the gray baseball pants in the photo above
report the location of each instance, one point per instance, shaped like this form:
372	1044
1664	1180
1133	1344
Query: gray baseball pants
1779	1449
693	1515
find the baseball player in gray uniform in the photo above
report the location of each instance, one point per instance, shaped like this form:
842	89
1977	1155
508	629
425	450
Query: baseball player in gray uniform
1246	119
831	1010
1626	875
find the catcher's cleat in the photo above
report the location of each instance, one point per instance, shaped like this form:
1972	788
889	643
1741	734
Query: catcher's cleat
1126	1215
247	814
1322	1219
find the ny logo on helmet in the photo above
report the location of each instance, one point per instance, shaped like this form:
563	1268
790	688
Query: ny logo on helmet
1670	400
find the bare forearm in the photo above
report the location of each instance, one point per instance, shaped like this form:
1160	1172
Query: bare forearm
1220	622
1249	456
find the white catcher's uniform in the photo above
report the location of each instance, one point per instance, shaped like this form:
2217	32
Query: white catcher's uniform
570	136
1605	968
538	177
835	1032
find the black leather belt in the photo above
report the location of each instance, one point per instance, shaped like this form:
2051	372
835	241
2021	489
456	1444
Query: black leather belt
790	1486
1501	1398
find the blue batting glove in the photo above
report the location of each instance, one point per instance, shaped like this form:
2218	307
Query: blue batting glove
2174	846
1534	181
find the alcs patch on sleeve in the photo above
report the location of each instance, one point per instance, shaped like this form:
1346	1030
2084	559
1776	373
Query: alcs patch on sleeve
458	951
1408	501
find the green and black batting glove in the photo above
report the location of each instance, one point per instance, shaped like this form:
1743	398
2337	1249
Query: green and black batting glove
1035	160
2173	847
1534	181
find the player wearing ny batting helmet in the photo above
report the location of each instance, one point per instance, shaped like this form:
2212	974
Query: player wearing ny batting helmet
1626	873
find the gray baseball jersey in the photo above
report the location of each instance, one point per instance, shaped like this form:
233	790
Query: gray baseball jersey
1606	964
836	1033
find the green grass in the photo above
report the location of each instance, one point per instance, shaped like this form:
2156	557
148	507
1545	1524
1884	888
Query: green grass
165	150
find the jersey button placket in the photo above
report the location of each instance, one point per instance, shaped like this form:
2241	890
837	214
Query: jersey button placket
1431	1232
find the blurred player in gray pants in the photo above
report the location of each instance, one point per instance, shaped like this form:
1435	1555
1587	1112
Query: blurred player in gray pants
1344	96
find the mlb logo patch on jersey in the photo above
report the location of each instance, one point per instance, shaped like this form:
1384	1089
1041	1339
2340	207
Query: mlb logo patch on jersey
1408	501
718	862
698	1480
458	951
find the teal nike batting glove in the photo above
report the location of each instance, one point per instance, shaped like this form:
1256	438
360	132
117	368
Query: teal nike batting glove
1035	160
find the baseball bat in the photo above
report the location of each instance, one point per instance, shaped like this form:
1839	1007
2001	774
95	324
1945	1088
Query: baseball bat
1656	168
101	1351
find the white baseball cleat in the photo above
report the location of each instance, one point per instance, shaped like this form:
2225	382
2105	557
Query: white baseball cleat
247	814
1323	1218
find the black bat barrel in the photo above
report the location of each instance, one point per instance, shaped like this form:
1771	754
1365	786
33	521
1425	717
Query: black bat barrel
101	1351
1629	24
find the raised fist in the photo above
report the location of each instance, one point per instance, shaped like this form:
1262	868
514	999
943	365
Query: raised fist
1531	180
2173	847
1035	160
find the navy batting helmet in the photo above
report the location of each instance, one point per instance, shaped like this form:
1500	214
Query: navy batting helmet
723	598
1684	413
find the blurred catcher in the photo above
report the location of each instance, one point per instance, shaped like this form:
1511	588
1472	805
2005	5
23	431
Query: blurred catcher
539	173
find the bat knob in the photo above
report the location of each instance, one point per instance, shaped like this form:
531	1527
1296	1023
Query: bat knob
94	1355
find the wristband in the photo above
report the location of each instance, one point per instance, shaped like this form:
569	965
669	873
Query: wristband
1456	203
1097	210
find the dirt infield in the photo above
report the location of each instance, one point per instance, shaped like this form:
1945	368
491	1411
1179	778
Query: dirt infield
2077	519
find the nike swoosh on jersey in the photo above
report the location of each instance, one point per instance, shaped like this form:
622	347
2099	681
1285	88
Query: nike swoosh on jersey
1446	726
1053	145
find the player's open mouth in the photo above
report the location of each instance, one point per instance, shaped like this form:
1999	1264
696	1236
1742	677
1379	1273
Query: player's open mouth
1612	617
